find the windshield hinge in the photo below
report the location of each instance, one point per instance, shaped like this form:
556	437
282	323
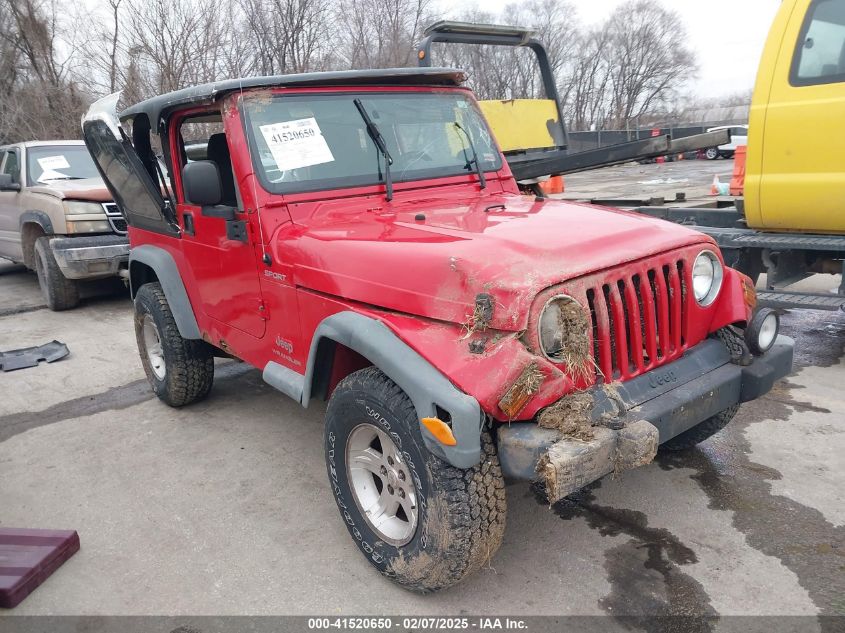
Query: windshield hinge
170	216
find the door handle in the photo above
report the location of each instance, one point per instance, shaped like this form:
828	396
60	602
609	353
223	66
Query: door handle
188	223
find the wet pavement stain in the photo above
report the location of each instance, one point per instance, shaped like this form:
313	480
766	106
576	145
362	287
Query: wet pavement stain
21	310
113	399
799	536
649	590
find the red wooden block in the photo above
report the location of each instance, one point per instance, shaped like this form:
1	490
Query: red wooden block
28	557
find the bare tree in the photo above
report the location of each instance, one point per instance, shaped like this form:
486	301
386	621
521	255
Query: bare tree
380	33
178	44
647	56
289	36
115	7
8	50
587	83
38	52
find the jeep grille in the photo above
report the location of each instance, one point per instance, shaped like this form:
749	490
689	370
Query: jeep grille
115	217
640	318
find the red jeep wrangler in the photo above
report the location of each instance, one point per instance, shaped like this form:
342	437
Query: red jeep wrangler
358	237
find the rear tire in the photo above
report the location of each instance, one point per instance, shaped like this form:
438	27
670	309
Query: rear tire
701	432
180	371
60	292
456	518
711	153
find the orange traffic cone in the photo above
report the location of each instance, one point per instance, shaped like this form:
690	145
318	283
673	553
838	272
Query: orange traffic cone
718	188
714	188
554	184
738	180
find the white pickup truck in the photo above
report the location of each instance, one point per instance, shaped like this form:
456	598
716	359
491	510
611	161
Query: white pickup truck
739	136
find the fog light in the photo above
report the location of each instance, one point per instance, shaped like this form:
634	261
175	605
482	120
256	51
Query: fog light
762	332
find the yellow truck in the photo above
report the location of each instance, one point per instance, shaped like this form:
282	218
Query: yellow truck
791	222
795	174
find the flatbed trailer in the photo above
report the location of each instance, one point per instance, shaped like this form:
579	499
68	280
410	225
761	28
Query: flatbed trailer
786	258
531	132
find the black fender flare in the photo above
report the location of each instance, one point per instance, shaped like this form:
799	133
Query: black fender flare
37	217
165	269
425	385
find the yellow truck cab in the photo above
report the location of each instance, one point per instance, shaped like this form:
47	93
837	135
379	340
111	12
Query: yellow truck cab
795	174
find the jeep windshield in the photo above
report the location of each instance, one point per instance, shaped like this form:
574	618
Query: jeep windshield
59	162
320	141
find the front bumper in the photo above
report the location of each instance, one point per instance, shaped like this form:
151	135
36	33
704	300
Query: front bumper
671	399
90	257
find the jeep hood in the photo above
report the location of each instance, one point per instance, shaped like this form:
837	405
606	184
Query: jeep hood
509	246
84	189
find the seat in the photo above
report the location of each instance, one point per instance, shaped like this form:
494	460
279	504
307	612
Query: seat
218	152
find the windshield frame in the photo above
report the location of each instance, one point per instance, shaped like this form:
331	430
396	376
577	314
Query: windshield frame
32	156
318	186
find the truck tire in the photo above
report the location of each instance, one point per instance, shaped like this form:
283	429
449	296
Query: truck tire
180	371
711	153
60	292
701	431
418	520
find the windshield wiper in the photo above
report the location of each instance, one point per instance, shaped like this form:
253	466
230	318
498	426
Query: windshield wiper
481	179
378	139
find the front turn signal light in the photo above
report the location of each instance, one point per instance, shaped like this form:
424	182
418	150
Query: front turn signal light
440	430
520	392
749	292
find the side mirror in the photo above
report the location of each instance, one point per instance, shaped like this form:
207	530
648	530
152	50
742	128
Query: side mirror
201	182
6	183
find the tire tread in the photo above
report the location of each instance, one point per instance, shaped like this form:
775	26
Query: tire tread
60	292
472	504
190	363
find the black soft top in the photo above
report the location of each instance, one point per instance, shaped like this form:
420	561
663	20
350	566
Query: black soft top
155	107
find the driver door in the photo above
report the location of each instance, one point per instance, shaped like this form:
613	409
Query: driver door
221	252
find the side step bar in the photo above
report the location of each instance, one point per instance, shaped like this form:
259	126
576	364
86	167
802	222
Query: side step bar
806	300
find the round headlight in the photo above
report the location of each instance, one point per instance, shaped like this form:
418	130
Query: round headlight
707	276
563	330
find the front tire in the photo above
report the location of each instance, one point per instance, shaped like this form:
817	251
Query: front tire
60	292
418	520
180	371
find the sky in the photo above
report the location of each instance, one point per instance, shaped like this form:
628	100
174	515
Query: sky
726	35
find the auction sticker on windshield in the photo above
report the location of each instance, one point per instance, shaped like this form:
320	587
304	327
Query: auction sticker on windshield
53	162
296	144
